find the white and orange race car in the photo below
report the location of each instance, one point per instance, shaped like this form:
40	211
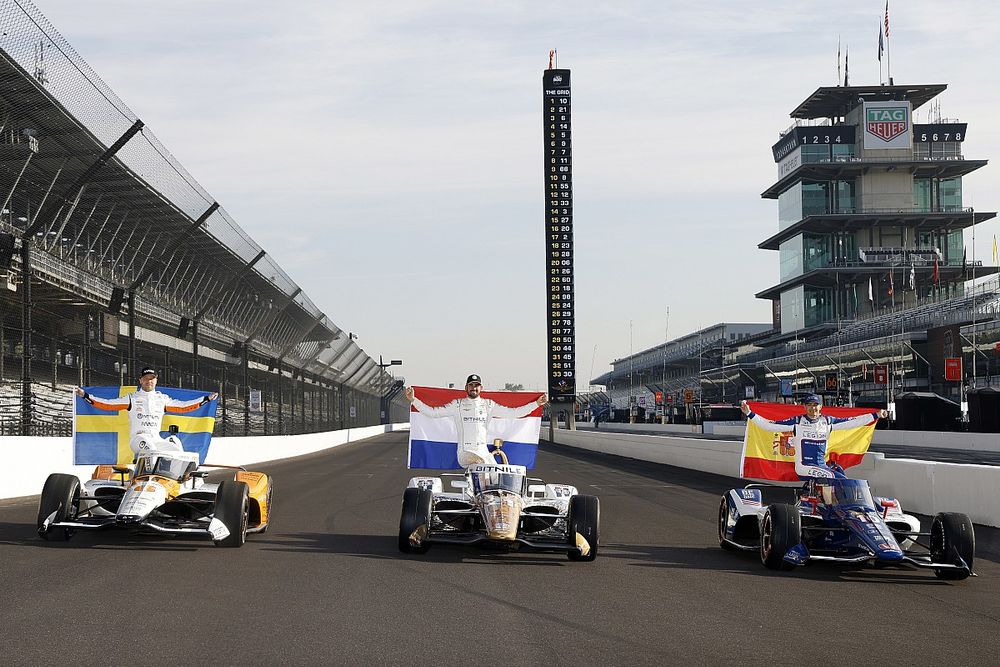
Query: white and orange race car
163	492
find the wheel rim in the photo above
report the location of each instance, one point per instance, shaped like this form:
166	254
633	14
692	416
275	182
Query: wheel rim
243	523
937	539
723	511
765	537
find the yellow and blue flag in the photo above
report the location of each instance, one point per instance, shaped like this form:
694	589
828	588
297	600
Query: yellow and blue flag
102	436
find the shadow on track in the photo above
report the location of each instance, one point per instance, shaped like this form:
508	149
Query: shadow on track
715	559
384	547
26	535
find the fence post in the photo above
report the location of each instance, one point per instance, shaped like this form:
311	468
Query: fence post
26	355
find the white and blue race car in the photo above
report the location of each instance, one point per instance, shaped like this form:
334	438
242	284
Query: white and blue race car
839	520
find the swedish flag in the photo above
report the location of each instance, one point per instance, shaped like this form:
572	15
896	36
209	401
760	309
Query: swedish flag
102	436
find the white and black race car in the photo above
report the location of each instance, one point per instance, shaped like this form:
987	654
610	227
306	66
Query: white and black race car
499	505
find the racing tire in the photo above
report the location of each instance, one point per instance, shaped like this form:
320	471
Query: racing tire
953	537
723	514
60	494
780	530
232	508
583	517
416	514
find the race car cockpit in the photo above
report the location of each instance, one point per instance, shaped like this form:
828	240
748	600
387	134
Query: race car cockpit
486	478
170	467
854	492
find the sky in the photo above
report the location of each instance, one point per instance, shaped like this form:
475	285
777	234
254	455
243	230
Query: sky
388	155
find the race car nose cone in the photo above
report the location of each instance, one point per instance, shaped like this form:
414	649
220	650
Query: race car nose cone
127	519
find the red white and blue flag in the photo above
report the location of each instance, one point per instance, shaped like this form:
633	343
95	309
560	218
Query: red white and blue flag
434	441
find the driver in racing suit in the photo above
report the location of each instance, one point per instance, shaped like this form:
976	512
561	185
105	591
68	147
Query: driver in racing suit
810	433
145	412
472	416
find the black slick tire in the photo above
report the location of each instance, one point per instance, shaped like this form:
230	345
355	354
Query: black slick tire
723	516
583	517
60	494
416	514
780	530
953	537
232	508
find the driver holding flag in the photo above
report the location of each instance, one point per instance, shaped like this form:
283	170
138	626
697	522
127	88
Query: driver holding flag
472	415
810	434
146	408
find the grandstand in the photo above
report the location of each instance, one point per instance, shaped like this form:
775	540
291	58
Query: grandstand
112	256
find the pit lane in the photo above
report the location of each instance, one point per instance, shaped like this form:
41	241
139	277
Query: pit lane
326	585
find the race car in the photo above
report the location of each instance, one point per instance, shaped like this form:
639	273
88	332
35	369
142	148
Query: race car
839	520
163	492
499	505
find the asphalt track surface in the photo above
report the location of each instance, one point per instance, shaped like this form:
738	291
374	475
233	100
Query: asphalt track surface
326	585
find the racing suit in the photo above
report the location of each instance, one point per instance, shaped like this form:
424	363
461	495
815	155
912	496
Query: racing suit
145	415
809	438
472	417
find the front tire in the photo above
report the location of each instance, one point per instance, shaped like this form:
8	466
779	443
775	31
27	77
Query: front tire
61	494
415	516
781	530
953	537
583	518
232	508
723	516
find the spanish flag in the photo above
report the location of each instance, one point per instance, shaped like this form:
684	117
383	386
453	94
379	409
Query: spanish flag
102	436
771	456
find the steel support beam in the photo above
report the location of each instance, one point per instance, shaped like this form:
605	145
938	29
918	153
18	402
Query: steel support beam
174	244
273	315
131	333
49	210
229	284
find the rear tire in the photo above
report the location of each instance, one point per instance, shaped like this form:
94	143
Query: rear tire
232	508
781	530
416	514
583	517
953	537
61	494
723	516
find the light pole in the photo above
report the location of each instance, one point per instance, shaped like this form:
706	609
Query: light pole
386	395
631	376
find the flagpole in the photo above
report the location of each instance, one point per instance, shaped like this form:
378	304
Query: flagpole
973	299
880	49
888	57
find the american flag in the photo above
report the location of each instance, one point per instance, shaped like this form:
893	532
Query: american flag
887	19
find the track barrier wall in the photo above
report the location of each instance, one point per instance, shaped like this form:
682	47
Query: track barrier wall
925	487
25	462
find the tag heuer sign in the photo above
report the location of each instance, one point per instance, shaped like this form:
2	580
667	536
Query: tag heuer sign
887	125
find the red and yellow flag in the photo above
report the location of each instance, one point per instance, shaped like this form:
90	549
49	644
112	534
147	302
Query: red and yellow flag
768	455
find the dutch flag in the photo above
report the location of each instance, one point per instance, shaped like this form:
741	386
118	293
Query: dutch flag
434	441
